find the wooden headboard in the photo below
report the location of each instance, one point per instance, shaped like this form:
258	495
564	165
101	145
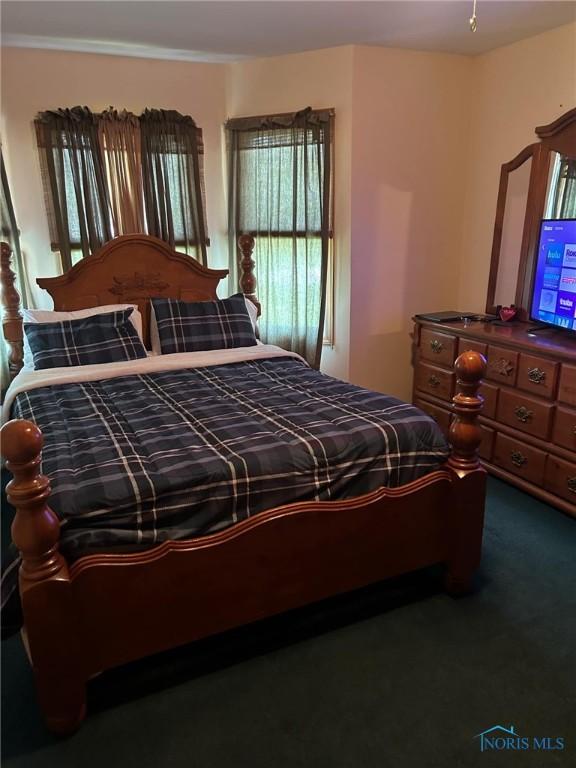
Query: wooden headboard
130	270
127	270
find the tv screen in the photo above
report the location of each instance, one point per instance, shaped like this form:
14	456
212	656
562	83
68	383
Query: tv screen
554	287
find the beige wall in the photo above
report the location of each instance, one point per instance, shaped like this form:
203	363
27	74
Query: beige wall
34	80
409	133
513	89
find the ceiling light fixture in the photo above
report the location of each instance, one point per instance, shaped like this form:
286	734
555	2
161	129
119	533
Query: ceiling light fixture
473	19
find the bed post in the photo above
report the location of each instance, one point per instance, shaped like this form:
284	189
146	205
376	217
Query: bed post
247	279
11	317
50	637
466	516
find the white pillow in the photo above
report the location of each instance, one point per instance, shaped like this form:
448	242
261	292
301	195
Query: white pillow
155	347
155	339
48	316
253	312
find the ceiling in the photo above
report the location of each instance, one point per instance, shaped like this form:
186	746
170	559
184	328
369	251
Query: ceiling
237	29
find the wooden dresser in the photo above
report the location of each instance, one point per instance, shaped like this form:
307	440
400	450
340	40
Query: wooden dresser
529	415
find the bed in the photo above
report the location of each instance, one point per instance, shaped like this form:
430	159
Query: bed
96	606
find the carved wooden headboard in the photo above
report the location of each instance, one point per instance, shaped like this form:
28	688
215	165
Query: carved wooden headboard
130	270
127	270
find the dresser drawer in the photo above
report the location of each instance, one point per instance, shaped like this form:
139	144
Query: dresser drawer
502	365
435	381
525	413
564	432
520	459
567	388
561	478
490	394
485	447
537	375
440	416
466	345
439	348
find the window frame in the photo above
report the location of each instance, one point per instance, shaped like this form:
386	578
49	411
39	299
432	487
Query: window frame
328	330
75	246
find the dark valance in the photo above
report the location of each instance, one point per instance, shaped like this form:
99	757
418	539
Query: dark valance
304	118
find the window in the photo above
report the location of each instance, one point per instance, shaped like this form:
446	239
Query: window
115	173
173	177
280	189
77	200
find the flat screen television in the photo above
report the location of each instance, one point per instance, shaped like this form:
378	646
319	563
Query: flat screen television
554	284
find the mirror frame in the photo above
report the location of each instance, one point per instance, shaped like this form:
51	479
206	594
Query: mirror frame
530	152
558	136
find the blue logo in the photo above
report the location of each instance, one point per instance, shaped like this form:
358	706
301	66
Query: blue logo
501	739
554	255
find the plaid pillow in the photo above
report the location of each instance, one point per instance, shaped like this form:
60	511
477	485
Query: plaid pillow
106	338
194	326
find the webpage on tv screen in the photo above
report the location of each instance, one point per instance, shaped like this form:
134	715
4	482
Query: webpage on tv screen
554	298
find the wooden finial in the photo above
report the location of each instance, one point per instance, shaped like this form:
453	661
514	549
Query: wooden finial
247	278
11	317
465	433
36	529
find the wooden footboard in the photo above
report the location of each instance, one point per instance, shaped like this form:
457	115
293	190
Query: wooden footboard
106	610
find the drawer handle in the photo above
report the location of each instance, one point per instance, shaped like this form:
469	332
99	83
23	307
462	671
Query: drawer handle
523	414
518	458
536	375
436	346
502	366
572	484
434	381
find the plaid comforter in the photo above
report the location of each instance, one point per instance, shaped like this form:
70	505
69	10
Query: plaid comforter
139	459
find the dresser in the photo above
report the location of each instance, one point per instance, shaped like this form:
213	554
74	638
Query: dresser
529	416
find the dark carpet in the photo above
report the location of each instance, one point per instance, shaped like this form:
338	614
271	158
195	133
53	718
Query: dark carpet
395	675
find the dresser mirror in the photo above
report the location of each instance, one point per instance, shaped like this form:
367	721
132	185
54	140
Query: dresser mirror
540	182
561	187
509	228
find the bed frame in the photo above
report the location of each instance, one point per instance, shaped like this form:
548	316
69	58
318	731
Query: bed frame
108	609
